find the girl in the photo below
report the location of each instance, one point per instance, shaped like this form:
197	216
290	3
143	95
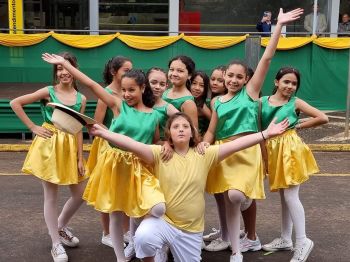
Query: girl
181	69
234	115
217	82
55	157
183	181
113	72
199	90
120	182
286	149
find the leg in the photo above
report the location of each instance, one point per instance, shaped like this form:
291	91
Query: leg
220	204
249	219
51	210
72	204
233	200
105	223
116	231
286	224
187	247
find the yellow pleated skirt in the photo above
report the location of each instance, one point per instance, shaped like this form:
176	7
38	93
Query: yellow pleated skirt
121	182
98	146
54	159
290	161
242	171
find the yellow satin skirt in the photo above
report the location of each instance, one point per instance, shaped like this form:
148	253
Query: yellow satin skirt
290	161
98	146
54	159
242	171
121	182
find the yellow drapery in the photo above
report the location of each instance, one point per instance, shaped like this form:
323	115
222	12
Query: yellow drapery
22	39
214	42
148	42
333	43
287	43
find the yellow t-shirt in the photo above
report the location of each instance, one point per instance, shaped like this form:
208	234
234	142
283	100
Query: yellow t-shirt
183	181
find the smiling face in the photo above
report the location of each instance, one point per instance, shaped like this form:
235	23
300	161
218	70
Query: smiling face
158	82
131	91
197	87
235	78
217	81
63	76
178	73
286	85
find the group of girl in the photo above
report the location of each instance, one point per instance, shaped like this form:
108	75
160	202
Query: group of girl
161	187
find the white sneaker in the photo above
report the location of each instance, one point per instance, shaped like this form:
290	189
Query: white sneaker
58	253
67	237
215	234
236	258
126	237
301	253
106	240
162	254
278	244
217	245
242	233
129	252
246	244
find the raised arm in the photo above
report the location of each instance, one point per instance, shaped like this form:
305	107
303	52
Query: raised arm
244	142
110	100
141	150
255	84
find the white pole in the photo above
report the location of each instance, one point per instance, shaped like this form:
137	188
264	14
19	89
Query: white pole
346	131
173	16
314	23
94	16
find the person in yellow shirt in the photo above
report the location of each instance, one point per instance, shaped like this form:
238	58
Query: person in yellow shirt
182	180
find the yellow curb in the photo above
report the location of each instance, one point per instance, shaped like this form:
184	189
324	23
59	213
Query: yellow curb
329	175
314	147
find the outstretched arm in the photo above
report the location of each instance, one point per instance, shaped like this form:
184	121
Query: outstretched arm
141	150
244	142
110	100
255	84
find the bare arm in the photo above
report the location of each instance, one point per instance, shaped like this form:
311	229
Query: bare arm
141	150
255	84
317	117
189	108
100	111
244	142
80	141
171	110
110	100
206	111
209	136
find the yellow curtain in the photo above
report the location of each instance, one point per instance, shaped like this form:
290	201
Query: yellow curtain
22	39
148	42
214	42
333	43
84	41
287	43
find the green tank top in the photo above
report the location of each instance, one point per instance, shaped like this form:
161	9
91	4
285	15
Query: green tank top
138	125
269	112
176	102
47	111
162	113
109	113
238	115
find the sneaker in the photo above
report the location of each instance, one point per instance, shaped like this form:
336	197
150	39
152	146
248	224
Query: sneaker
129	252
67	237
215	234
106	240
217	245
301	253
162	254
58	253
126	237
278	244
242	233
203	245
236	258
246	244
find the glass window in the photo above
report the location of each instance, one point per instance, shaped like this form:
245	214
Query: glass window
4	15
134	15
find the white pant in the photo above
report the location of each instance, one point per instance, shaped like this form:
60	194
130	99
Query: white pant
153	233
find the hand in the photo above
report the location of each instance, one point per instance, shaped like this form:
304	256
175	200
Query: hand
53	59
166	152
81	167
201	147
284	18
275	129
95	129
41	131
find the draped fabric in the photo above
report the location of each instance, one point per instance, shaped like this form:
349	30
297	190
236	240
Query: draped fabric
157	42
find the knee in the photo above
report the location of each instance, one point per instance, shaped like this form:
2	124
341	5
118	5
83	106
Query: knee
158	210
143	242
236	197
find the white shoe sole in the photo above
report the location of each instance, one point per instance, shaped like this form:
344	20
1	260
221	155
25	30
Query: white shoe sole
308	252
257	248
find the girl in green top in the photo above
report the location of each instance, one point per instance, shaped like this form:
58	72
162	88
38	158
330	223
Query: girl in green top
120	182
115	68
181	69
234	115
290	161
56	157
